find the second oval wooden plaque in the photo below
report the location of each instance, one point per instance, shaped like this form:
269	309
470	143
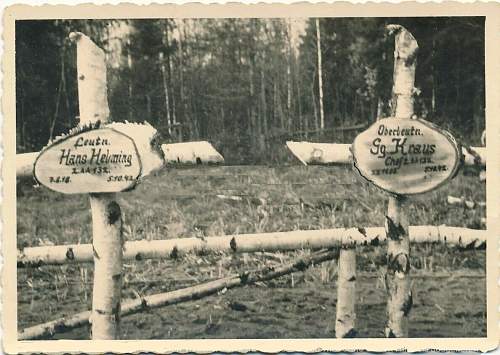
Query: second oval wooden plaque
406	156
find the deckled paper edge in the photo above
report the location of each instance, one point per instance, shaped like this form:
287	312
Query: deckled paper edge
193	10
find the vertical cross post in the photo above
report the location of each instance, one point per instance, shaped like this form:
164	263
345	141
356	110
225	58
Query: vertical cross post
398	248
346	293
106	214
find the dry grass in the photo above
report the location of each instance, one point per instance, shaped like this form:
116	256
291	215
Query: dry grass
184	203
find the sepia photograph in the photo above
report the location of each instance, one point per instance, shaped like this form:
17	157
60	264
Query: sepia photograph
253	178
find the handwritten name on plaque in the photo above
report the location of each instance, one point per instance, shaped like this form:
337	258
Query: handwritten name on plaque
99	160
406	156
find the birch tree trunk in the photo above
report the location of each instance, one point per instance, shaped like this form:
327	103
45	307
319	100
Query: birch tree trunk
346	294
320	76
263	97
289	76
184	119
130	87
253	131
173	121
107	244
303	125
165	89
106	214
399	300
315	110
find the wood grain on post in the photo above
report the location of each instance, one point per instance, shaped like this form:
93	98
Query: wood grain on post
346	294
248	243
399	300
106	214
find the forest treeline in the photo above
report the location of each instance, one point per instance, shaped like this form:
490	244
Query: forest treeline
247	85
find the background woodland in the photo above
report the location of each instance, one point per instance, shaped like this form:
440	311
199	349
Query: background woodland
248	85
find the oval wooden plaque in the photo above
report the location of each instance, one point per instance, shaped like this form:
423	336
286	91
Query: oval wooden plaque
406	156
98	160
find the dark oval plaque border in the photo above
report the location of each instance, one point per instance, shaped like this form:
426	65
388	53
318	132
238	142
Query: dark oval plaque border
451	139
50	146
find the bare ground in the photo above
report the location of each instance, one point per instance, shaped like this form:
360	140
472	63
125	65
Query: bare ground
449	285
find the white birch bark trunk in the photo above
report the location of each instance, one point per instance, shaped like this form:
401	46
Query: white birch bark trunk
107	245
248	243
315	109
399	300
289	76
345	324
130	87
106	215
165	90
320	76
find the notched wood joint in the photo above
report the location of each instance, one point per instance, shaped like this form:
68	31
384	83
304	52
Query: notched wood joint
244	277
350	334
113	212
394	230
115	311
407	304
95	252
399	263
174	254
70	255
233	245
389	333
375	241
301	265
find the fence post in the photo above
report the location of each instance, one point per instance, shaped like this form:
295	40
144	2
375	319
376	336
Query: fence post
346	294
106	214
399	300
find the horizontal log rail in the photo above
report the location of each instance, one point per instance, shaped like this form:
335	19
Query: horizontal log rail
247	243
188	153
65	324
333	153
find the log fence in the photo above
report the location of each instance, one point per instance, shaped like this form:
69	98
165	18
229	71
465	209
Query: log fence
108	249
250	243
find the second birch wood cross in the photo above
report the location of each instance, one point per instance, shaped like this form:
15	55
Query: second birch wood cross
403	155
399	300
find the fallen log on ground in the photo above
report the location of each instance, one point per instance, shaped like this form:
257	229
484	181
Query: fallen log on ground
248	243
45	330
332	153
461	201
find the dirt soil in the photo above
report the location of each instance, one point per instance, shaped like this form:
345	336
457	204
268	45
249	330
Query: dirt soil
445	305
449	285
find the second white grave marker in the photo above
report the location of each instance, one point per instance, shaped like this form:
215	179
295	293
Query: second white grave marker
406	156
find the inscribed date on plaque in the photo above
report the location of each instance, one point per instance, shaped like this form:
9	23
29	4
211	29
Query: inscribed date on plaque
406	156
98	160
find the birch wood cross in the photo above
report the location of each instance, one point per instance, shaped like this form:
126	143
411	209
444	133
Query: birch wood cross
403	156
106	214
101	158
